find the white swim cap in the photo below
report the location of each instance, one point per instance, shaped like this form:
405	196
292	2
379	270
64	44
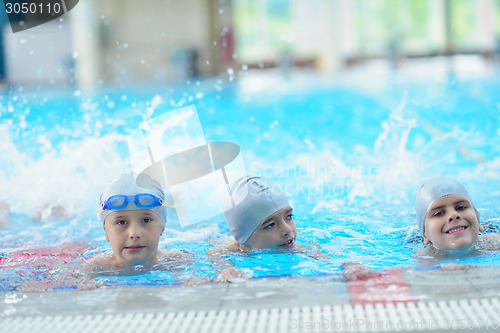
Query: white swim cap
432	190
129	185
252	200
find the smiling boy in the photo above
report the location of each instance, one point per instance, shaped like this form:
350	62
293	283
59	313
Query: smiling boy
447	217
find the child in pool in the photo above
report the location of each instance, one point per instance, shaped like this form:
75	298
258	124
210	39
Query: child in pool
449	221
260	216
133	218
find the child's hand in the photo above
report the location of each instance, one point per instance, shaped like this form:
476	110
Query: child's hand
89	285
359	272
195	281
33	286
449	266
230	275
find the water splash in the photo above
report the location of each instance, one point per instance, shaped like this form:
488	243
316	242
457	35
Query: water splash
351	162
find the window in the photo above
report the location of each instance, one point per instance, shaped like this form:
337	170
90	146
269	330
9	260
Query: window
262	29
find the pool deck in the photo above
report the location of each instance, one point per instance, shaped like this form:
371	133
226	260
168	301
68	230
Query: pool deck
396	286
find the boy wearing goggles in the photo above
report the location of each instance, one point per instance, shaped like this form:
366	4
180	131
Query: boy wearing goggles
133	218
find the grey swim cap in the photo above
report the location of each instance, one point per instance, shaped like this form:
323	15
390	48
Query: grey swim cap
432	190
252	200
128	184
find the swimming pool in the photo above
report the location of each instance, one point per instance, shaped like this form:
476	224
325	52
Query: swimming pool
349	153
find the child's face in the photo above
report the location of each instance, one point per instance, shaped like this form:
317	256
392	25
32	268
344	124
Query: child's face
451	223
133	236
276	232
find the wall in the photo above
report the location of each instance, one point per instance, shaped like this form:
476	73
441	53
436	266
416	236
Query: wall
122	41
41	55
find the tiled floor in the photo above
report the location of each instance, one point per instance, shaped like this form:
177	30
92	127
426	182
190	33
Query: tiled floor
441	284
261	293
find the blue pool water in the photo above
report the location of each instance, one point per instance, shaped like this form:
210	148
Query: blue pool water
349	154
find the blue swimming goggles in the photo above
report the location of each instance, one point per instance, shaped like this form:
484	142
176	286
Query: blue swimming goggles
141	200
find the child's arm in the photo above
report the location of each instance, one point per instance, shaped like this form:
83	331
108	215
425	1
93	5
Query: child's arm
429	255
230	246
313	253
175	260
354	271
98	264
228	273
215	254
232	274
60	275
450	266
100	261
